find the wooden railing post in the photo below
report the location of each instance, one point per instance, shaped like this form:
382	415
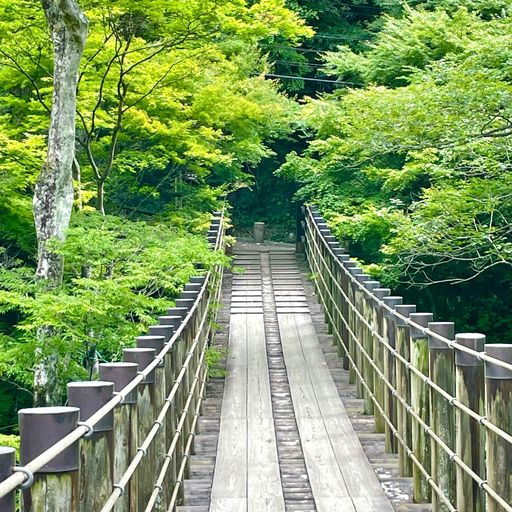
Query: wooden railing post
7	462
159	443
420	402
55	486
170	420
97	449
442	372
360	328
389	372
470	438
378	354
498	400
353	270
342	281
147	414
403	386
367	343
352	319
125	430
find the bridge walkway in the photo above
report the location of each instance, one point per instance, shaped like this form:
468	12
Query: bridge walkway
286	442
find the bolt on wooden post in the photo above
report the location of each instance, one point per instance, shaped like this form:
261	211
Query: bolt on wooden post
146	414
125	430
498	400
420	402
7	462
442	372
403	386
470	438
378	354
96	449
55	486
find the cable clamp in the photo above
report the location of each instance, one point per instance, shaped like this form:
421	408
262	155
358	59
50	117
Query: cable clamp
159	423
159	487
142	450
90	429
120	487
140	372
159	359
482	483
28	474
452	400
482	419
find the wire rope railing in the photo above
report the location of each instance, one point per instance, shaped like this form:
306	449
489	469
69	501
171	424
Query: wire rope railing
123	442
428	388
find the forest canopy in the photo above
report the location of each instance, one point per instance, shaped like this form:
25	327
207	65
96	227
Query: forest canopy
172	107
412	167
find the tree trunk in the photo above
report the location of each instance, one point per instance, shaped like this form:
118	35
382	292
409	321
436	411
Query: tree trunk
53	198
100	196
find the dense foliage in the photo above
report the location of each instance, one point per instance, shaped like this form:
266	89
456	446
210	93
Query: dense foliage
172	110
413	167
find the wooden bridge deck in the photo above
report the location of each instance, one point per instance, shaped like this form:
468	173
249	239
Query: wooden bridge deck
251	447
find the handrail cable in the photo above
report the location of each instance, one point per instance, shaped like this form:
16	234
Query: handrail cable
453	455
18	478
426	380
482	356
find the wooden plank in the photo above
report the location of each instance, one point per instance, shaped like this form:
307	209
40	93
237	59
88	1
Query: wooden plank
334	505
293	310
308	370
228	505
246	311
324	473
247	475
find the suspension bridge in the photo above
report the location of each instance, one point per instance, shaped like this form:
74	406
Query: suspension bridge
337	396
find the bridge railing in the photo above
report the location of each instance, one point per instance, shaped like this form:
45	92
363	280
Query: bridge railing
443	400
123	443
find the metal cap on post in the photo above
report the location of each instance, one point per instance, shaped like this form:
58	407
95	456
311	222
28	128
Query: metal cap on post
354	270
177	311
380	293
170	321
422	319
185	303
192	287
197	280
473	340
360	278
156	342
161	330
391	301
444	329
371	285
89	397
121	374
503	352
41	428
7	461
143	357
403	310
189	294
